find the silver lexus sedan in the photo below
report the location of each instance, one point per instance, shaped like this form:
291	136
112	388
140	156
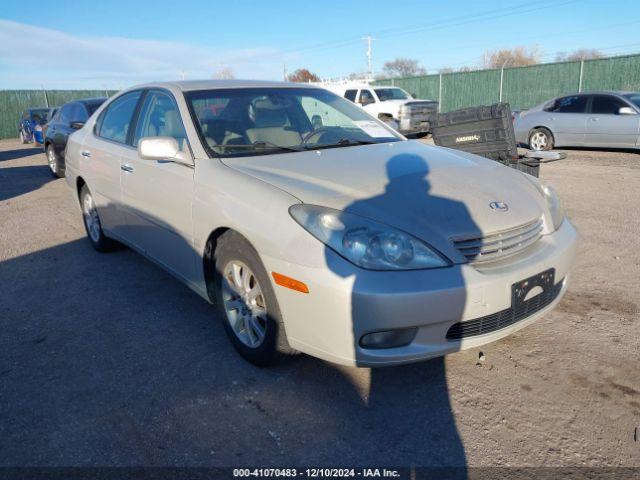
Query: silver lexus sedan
599	119
313	227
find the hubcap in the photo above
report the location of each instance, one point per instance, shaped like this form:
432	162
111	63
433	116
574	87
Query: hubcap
91	219
51	157
538	141
244	303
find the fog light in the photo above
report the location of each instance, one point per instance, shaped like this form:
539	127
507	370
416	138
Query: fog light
388	338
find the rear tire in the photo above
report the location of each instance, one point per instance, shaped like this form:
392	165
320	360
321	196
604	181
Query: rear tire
247	303
57	170
540	139
92	224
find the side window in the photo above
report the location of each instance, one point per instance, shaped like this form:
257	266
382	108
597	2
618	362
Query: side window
606	104
570	104
115	120
350	95
80	113
159	117
366	96
64	116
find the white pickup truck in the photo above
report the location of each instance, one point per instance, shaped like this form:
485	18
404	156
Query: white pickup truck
392	105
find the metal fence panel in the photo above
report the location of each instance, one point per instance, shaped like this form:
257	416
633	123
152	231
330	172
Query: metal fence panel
469	89
619	73
525	87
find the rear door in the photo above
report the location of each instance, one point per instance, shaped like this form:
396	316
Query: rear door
62	128
567	119
607	128
101	153
158	195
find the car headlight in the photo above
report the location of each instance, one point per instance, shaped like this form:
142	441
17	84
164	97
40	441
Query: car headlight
366	243
553	202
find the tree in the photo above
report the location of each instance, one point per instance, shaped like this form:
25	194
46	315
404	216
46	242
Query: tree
578	55
224	73
302	75
403	67
512	57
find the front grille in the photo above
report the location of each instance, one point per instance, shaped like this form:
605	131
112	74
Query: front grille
501	244
504	318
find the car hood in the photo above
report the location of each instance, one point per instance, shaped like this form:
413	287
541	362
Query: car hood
431	192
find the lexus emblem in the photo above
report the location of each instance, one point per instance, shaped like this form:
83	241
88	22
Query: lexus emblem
499	206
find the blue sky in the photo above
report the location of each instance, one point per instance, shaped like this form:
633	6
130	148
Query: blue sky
114	44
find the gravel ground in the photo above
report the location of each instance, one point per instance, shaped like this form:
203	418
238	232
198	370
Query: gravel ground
107	360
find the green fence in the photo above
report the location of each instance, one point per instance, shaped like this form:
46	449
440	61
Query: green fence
523	87
14	102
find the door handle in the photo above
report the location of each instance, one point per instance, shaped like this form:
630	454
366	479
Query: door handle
85	154
126	168
594	119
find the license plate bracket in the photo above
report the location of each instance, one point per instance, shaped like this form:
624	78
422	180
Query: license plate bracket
520	290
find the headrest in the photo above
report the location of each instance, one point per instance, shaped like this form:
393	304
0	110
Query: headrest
172	125
269	115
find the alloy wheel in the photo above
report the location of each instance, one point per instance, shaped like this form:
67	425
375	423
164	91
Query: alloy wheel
51	158
91	219
538	141
244	303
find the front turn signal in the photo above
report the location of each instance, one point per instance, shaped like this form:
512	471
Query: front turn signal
289	282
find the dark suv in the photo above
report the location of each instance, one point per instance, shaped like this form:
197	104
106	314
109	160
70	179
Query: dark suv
69	118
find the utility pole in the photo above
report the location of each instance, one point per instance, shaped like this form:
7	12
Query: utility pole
182	74
369	39
284	72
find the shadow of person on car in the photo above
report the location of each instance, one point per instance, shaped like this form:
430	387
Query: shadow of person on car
403	399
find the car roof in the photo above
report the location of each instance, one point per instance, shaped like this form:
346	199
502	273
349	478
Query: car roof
191	85
600	92
92	100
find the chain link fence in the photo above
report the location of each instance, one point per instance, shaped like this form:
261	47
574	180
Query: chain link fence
14	102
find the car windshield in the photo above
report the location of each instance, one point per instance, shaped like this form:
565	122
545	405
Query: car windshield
262	121
391	94
633	98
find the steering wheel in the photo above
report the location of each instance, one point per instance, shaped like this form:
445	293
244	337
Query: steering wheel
313	133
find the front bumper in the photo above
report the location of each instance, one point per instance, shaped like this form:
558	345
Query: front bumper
344	302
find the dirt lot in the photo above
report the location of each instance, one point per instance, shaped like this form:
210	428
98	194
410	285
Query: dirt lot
107	360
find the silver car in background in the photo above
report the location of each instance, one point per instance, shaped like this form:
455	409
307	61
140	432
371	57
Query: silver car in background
596	119
313	227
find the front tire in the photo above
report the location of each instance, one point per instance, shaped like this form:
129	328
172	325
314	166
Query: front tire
540	139
247	303
92	224
57	170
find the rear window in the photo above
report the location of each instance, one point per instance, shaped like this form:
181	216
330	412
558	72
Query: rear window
350	95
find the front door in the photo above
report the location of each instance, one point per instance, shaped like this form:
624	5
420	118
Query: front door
158	194
607	128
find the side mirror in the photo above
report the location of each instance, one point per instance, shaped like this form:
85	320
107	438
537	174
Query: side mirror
366	101
76	125
626	111
162	148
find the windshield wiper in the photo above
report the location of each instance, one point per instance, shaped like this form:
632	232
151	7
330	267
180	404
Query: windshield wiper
343	142
259	146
